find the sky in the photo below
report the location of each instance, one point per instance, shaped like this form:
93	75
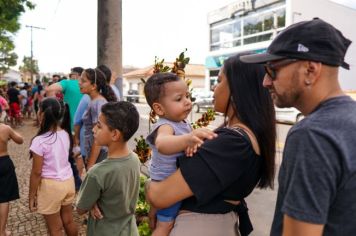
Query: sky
162	28
152	28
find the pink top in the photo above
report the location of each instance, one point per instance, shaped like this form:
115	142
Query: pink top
54	149
3	102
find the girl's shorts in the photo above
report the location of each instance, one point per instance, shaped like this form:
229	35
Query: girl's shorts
53	194
9	188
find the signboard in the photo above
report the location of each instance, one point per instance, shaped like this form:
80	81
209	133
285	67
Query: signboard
215	62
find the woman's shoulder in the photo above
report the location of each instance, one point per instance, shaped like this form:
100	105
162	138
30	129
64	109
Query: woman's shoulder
97	102
230	132
229	139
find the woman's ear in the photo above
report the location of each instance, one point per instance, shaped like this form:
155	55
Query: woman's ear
94	87
158	109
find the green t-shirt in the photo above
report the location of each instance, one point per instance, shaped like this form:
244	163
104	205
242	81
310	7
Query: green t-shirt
114	185
72	96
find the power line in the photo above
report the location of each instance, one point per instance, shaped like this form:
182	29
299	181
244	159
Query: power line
55	11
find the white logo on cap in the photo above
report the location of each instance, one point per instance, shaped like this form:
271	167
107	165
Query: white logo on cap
302	48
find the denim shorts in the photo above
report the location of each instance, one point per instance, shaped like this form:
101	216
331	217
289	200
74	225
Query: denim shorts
168	214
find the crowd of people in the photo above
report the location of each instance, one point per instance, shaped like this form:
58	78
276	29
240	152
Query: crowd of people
199	178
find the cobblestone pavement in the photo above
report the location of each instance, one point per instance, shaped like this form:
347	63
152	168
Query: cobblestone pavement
21	221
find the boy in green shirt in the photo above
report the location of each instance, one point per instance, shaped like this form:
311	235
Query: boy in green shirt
111	187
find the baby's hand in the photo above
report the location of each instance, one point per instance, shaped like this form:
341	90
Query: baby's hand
197	138
189	151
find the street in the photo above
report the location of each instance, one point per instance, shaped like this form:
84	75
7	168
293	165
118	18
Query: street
21	222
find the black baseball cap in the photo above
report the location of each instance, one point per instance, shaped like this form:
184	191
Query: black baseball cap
314	40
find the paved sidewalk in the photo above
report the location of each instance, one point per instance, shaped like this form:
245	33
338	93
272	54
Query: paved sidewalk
21	221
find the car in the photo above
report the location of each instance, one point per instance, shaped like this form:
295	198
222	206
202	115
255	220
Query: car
132	96
288	115
203	101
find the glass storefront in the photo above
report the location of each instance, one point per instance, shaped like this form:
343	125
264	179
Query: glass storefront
252	27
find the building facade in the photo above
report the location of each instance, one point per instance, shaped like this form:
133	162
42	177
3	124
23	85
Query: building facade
133	79
251	25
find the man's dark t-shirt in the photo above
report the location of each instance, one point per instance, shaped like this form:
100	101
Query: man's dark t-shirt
13	94
317	178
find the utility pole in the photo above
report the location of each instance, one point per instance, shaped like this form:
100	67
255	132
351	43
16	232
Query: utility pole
32	27
110	36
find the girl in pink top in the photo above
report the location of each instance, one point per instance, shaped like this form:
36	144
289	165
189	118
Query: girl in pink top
52	188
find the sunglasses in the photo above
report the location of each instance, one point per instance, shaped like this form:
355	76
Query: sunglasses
271	68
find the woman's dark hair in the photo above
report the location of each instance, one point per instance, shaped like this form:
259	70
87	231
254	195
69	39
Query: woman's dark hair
154	88
106	70
55	113
122	116
98	77
253	106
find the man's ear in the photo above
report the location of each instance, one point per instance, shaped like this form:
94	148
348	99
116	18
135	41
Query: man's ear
158	109
313	71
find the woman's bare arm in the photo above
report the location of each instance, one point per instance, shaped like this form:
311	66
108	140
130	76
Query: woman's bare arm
169	191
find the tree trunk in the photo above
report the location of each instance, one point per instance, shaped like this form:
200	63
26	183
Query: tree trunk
110	36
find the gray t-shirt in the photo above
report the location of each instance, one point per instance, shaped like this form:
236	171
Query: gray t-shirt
114	185
90	118
317	178
161	165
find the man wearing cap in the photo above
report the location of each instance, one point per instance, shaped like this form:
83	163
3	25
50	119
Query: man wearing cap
317	178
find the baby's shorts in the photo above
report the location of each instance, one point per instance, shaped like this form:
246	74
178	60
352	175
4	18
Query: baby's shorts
168	214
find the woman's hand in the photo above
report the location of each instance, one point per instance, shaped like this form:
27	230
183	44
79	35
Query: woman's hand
95	212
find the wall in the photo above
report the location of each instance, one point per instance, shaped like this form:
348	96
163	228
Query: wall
342	18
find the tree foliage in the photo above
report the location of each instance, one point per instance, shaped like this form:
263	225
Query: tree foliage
28	67
10	12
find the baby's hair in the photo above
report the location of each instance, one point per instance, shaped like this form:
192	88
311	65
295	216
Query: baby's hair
55	113
122	116
154	88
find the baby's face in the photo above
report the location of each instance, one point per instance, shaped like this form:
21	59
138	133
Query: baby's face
175	103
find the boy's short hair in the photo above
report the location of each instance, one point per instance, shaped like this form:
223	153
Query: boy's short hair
122	116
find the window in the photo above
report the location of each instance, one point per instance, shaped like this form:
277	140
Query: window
236	29
281	17
259	38
256	26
